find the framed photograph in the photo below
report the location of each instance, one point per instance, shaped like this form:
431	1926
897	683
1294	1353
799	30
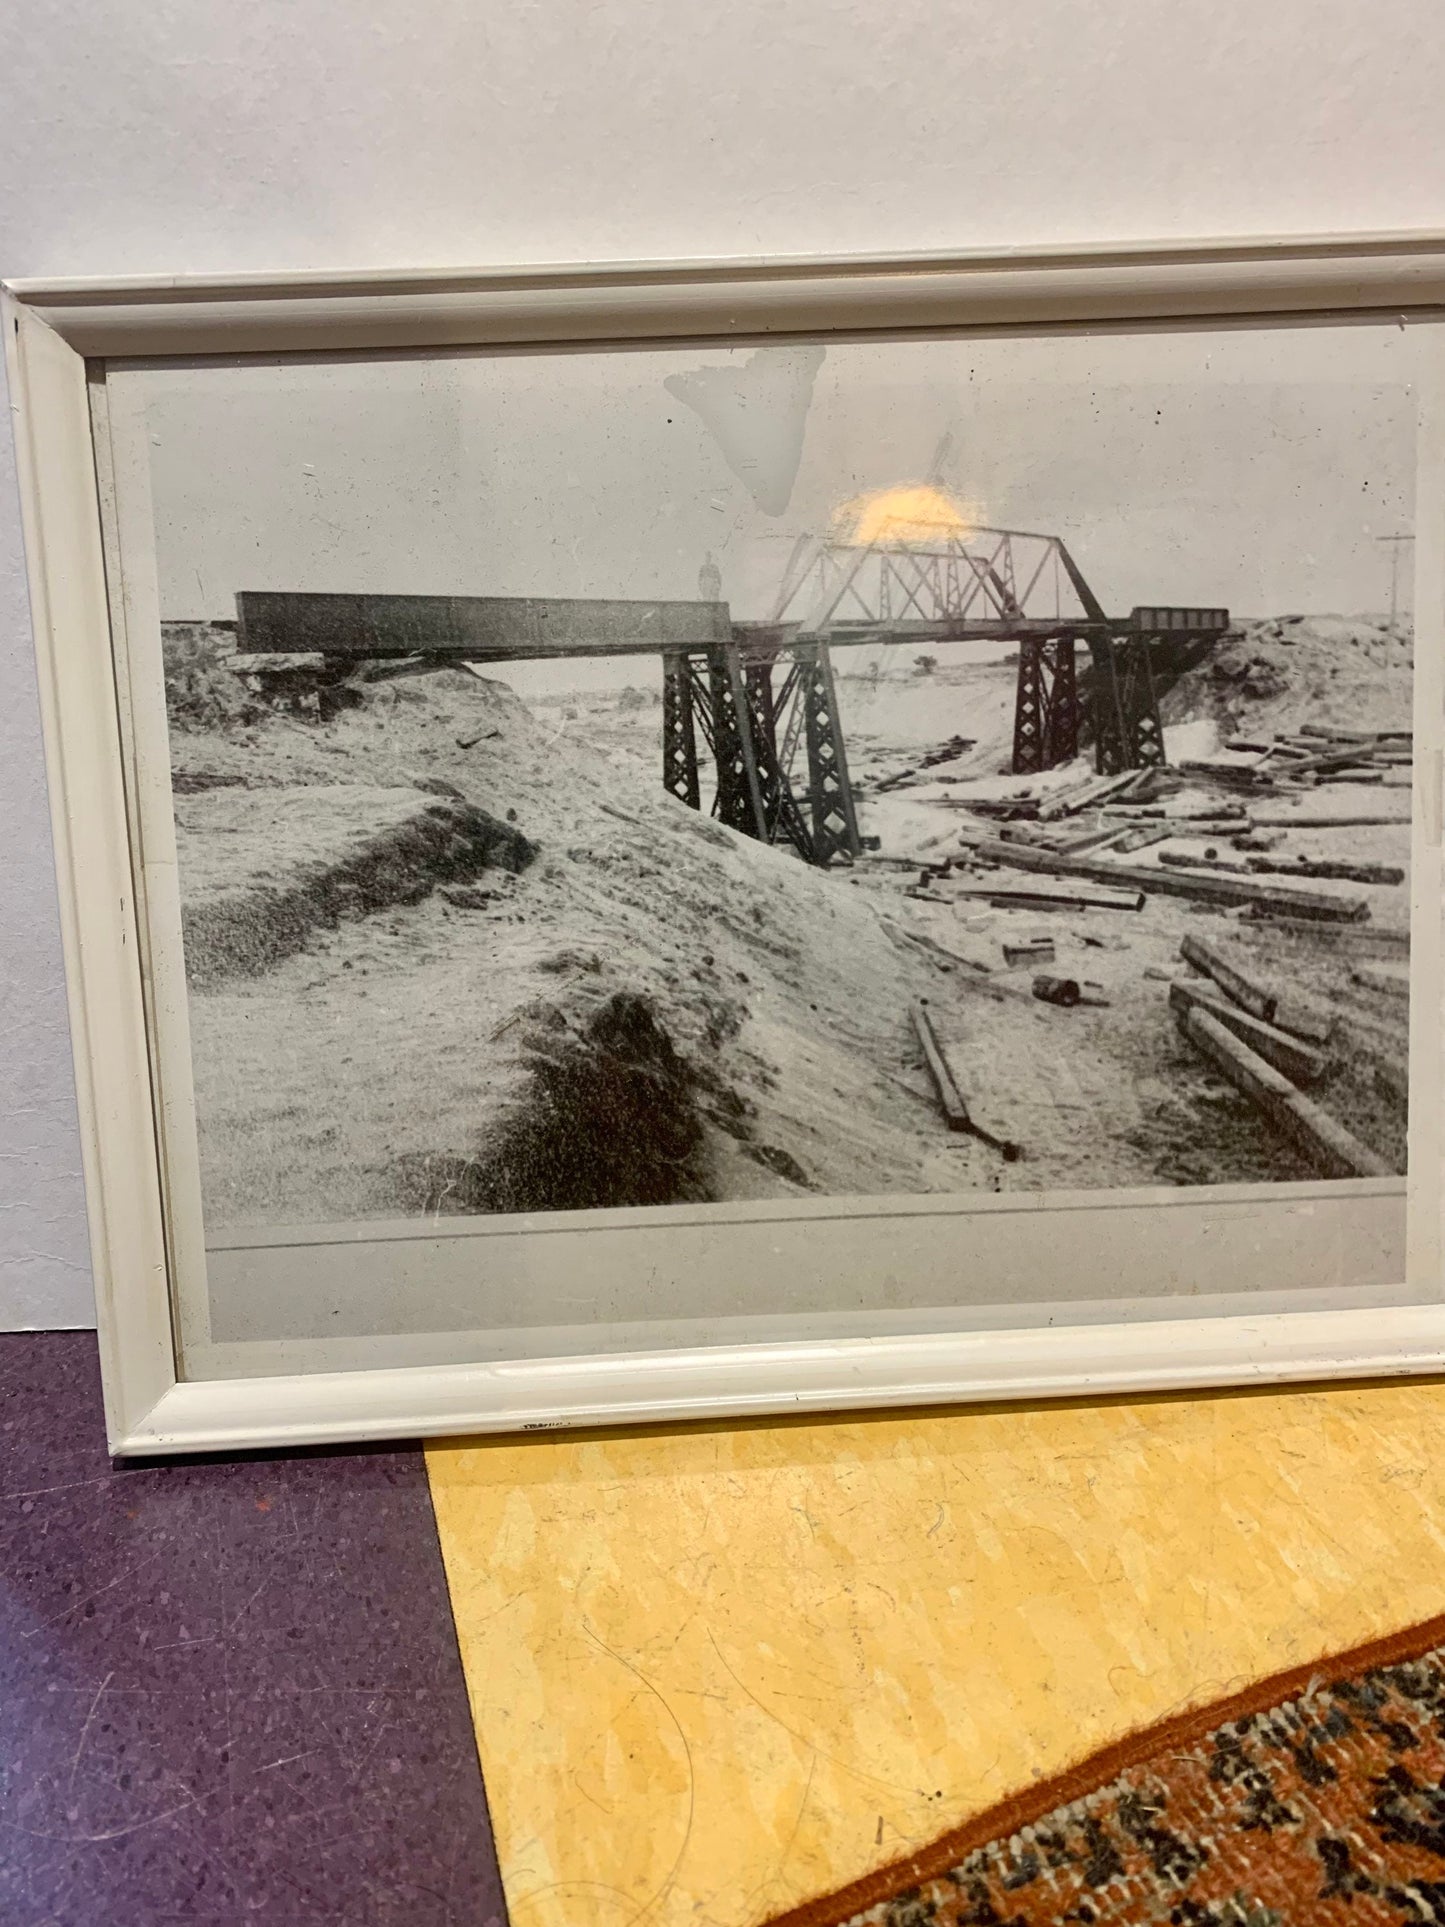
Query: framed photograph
663	842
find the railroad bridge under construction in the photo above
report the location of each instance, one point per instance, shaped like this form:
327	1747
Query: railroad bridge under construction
757	699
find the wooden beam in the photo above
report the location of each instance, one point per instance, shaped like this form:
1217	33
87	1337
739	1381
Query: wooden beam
1224	821
1205	886
1183	860
950	1098
1354	936
1140	837
1303	866
1336	1152
1288	1055
1326	822
1391	982
1260	1000
1003	895
1074	800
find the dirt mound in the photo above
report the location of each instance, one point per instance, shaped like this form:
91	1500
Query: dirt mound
609	1115
406	1060
248	900
1263	677
203	690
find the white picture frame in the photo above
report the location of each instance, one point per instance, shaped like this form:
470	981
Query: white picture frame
59	337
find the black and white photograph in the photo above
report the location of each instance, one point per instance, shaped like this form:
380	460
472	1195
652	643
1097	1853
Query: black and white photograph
941	766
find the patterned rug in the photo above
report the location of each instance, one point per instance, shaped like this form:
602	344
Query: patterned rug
1313	1799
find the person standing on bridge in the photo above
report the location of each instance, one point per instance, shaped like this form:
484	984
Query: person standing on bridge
709	580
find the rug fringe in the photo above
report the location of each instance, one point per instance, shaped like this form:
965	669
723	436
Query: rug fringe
1019	1810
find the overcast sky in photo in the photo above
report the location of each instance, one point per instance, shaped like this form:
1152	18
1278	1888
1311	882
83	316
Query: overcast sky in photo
1254	468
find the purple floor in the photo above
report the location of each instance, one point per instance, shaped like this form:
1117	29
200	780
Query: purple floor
229	1692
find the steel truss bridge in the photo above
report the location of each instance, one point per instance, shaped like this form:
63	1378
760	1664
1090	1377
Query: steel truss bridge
758	701
1005	585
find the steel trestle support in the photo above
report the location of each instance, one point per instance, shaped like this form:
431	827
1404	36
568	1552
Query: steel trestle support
679	730
1128	733
1046	712
755	708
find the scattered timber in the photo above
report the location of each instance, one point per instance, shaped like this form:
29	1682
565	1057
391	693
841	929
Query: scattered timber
1007	897
1353	936
1030	950
1009	808
1152	782
1203	885
1225	819
1182	860
1336	1152
1388	981
1327	733
1327	822
1140	837
1004	896
1319	765
1098	792
1296	1060
1273	1003
1095	839
1062	802
1143	782
950	1098
1303	866
910	779
1304	1017
1258	999
945	958
1242	776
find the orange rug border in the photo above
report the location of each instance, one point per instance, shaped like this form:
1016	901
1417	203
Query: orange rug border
1086	1776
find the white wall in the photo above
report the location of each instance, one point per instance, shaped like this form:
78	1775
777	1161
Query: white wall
178	135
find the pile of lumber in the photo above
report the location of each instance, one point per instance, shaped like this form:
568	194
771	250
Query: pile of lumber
1035	805
1311	755
1267	1042
1111	817
1122	813
1205	886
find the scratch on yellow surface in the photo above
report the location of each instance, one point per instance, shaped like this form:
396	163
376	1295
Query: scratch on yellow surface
716	1672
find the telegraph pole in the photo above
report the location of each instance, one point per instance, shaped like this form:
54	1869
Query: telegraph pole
1394	542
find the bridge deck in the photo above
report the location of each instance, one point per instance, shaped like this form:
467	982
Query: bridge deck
477	627
538	627
521	628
